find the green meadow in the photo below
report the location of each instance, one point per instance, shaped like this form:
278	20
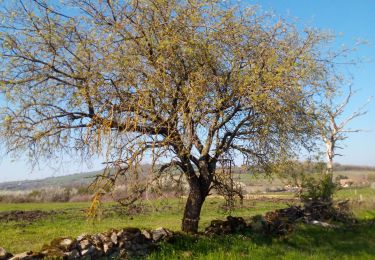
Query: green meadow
311	242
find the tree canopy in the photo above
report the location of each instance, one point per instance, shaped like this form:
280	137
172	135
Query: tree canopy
183	83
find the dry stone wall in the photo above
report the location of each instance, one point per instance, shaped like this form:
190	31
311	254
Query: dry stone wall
126	243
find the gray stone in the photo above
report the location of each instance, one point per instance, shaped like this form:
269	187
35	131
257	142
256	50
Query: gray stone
64	243
82	237
114	238
96	241
107	247
147	234
84	244
4	254
124	244
74	254
161	234
322	224
231	225
105	237
129	232
52	252
91	249
29	255
123	254
129	242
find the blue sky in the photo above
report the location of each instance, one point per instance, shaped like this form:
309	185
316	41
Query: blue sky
352	20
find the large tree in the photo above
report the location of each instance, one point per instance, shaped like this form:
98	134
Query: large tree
182	83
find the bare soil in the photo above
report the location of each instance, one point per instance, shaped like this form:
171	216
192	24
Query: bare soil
25	216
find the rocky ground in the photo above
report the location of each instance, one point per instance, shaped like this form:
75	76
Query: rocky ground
135	243
114	244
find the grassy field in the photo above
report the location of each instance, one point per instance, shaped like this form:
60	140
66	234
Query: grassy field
307	241
258	182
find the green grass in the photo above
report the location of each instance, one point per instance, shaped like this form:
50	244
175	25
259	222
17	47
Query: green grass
355	193
44	206
308	242
72	221
362	201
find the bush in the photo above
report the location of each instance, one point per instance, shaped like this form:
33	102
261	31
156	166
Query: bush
319	188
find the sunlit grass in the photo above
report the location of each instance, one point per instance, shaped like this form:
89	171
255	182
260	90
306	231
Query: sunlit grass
71	220
306	242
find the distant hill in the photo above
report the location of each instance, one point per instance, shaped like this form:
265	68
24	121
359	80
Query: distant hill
344	167
57	181
78	179
72	180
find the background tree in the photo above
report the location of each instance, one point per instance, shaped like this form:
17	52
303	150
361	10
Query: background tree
334	126
180	83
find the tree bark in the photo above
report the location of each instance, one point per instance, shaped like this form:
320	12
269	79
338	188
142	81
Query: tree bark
192	210
330	150
199	190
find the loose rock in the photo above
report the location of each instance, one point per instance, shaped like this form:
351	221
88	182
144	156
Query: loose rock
122	244
231	225
4	254
64	243
147	234
114	238
74	254
161	234
322	224
29	255
84	244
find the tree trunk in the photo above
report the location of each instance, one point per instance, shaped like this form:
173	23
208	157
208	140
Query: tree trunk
199	190
330	155
192	211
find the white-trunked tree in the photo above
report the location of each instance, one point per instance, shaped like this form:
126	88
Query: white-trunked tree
333	124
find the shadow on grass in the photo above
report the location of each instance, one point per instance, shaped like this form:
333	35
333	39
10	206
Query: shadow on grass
345	240
307	241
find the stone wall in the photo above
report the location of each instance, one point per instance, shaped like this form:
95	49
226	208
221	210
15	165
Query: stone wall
114	244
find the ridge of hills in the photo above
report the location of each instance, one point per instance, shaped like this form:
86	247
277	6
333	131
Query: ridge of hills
85	178
75	179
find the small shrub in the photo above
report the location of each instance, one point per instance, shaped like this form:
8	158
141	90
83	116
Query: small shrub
319	188
61	196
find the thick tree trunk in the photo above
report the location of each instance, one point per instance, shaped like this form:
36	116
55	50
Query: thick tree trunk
199	190
192	211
